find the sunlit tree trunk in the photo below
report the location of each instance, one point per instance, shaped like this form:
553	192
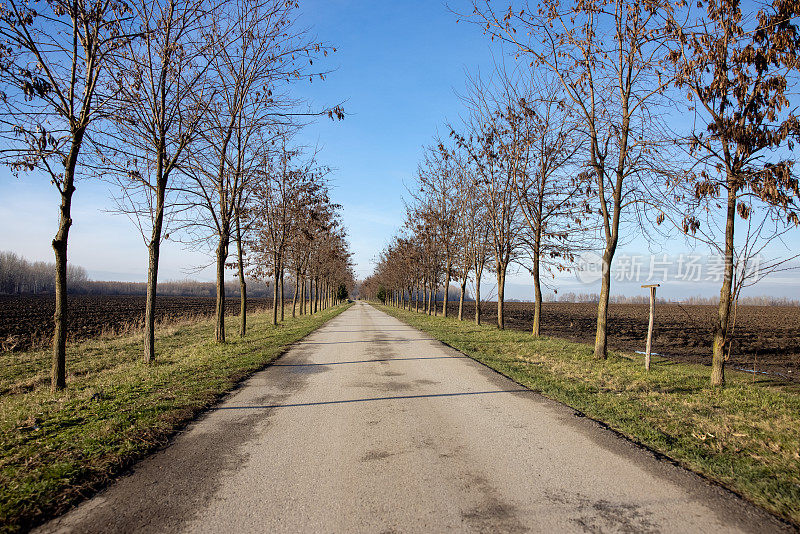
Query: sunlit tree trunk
242	281
461	299
537	284
316	294
58	378
446	288
501	288
478	275
296	290
282	300
222	255
612	233
153	252
275	295
725	294
301	297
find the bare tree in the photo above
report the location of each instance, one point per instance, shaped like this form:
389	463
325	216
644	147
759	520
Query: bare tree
498	151
464	223
275	192
480	249
256	48
549	196
250	149
737	70
437	178
161	98
53	63
608	56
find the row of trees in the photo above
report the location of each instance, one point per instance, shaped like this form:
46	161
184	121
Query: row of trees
186	105
18	275
583	144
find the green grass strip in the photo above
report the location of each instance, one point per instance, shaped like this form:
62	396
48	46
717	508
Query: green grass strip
744	436
57	448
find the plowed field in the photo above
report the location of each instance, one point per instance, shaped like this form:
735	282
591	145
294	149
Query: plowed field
27	320
766	338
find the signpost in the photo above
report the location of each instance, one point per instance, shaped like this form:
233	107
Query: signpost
650	327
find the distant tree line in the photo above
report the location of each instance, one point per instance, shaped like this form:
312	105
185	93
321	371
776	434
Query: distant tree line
184	288
18	275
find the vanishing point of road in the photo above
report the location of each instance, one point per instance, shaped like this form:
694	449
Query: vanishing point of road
368	425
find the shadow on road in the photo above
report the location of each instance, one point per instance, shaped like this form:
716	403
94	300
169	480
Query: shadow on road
369	361
363	341
370	399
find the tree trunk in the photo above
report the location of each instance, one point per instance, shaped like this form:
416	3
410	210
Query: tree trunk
537	289
154	250
243	307
446	290
478	275
242	281
222	255
725	295
294	297
461	299
58	377
302	288
281	300
275	296
601	336
501	289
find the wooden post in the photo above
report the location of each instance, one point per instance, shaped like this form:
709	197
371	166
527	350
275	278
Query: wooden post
650	326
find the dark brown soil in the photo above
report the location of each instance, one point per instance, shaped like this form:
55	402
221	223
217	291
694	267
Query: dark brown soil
27	320
766	338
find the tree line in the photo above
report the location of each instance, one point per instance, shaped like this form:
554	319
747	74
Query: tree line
186	106
18	275
606	120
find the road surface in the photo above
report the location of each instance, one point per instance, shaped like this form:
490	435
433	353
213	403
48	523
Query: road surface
368	425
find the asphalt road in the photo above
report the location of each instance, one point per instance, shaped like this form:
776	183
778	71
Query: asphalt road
368	425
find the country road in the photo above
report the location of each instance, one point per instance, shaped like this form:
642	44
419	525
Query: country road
368	425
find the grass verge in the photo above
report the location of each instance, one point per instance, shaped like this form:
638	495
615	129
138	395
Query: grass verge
744	436
59	448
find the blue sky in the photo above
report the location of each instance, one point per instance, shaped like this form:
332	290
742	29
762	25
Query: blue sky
398	67
397	70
